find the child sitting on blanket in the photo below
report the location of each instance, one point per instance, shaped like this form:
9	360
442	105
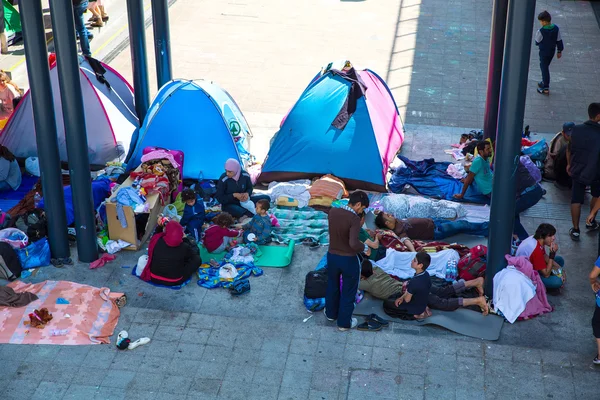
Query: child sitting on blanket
258	230
193	213
218	237
414	300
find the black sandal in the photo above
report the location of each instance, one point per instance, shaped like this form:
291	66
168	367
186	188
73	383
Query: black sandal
369	325
378	319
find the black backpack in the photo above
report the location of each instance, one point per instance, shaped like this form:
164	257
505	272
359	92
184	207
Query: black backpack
10	265
315	286
33	223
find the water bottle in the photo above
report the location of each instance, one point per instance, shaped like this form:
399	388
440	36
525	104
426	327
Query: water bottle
37	199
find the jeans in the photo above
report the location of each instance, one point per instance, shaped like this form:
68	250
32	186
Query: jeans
340	304
444	228
444	298
553	281
78	11
545	67
238	211
524	201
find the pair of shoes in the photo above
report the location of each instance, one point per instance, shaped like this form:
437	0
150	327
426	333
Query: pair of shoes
353	324
593	226
328	319
97	24
543	91
596	360
574	234
373	323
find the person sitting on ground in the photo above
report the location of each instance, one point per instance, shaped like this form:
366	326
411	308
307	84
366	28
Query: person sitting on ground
414	301
218	237
427	228
558	145
171	259
377	250
479	172
234	191
193	213
533	248
9	93
10	172
382	286
259	225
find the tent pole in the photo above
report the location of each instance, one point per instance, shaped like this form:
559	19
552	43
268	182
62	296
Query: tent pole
36	57
162	41
490	119
137	38
63	26
513	92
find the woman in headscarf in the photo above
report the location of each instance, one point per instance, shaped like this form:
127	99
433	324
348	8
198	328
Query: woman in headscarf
10	172
171	259
235	187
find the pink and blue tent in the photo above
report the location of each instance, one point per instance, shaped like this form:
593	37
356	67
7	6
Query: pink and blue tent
345	123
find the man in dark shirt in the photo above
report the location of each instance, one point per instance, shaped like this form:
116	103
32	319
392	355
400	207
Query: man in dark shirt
343	260
427	228
583	164
414	300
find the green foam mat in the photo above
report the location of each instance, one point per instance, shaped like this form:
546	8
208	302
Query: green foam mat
462	321
270	256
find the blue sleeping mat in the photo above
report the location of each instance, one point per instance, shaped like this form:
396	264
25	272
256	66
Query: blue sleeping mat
10	198
429	178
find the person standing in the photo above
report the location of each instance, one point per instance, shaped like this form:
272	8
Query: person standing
548	40
343	260
79	7
583	161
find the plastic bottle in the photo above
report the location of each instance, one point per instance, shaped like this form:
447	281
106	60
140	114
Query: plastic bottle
59	332
37	199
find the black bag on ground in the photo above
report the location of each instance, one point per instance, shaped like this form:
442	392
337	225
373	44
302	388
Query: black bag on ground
390	309
10	265
33	223
315	286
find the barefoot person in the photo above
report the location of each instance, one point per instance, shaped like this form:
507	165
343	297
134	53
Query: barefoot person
343	260
414	300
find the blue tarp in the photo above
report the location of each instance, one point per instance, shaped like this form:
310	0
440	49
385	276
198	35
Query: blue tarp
429	178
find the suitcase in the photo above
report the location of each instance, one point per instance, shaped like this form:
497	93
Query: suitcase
178	156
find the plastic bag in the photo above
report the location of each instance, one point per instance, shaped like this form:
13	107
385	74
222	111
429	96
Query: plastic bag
15	237
141	264
171	213
537	152
32	165
35	255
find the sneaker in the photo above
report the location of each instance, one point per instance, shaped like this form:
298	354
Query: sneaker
543	91
574	233
353	324
596	360
541	85
593	226
328	319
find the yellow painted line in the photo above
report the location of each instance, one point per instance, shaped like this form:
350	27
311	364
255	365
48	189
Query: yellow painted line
102	46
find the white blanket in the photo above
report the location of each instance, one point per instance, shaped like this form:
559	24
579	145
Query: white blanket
512	291
397	263
298	190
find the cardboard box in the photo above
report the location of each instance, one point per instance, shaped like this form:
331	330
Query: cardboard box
129	234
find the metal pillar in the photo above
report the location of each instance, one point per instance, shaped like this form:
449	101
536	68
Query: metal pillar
508	140
63	26
36	57
498	31
137	39
162	41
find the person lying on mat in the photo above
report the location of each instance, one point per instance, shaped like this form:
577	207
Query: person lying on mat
193	213
550	267
479	172
10	172
427	228
382	286
234	191
171	259
377	250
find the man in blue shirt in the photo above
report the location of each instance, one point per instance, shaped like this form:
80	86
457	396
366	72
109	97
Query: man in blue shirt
479	172
548	39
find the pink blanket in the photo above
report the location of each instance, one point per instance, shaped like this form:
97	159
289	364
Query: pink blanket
89	318
539	304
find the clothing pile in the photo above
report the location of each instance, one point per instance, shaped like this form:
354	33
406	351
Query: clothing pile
325	190
296	190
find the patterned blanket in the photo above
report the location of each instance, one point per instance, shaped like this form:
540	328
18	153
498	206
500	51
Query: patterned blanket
300	224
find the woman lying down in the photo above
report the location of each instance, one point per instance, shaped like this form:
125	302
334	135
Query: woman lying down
415	296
